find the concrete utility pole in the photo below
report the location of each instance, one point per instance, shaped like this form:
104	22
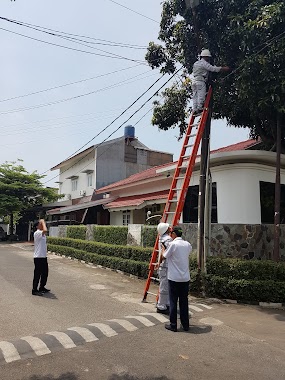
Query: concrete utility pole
276	252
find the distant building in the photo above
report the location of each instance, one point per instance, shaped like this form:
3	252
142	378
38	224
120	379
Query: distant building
95	167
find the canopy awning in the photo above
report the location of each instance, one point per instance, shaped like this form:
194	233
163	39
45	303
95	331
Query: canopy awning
80	206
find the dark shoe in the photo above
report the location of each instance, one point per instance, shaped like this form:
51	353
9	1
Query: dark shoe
36	293
161	311
198	112
44	290
184	328
169	327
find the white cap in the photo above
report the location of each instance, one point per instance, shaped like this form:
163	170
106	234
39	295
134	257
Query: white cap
162	228
205	53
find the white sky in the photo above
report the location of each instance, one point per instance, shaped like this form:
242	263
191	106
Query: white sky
44	136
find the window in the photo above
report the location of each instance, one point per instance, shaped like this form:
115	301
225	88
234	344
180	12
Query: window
89	180
126	217
267	202
190	210
74	183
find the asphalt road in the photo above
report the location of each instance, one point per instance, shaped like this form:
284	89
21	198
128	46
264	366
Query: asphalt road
93	326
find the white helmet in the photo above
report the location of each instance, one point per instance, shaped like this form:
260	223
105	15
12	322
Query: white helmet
205	53
162	228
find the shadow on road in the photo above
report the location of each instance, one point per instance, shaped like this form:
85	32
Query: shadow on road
278	314
64	376
130	377
50	295
199	329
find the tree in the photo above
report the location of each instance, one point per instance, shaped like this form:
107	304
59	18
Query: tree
247	35
20	190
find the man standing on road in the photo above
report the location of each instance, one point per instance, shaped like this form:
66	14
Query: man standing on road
40	259
177	255
162	305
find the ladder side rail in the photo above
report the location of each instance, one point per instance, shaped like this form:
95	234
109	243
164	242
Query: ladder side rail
151	267
177	170
192	160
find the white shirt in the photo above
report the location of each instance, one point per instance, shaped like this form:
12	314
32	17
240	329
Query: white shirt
177	255
40	243
201	70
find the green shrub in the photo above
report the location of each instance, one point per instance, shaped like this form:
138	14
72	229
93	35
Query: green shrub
136	268
149	235
126	252
110	234
76	232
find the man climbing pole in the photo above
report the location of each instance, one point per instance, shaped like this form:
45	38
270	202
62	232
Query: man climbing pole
200	73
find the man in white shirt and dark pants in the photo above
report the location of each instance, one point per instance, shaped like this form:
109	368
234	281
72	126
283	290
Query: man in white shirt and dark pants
40	260
200	73
177	255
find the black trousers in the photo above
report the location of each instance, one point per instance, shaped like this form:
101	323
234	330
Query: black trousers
178	291
40	272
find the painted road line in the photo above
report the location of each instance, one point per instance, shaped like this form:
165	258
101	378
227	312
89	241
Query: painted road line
105	329
86	334
37	345
195	308
159	317
9	352
63	339
125	324
205	306
141	319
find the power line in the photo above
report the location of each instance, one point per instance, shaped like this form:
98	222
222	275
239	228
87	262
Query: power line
101	41
67	84
74	49
126	81
140	14
155	93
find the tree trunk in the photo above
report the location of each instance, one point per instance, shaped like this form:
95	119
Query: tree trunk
11	226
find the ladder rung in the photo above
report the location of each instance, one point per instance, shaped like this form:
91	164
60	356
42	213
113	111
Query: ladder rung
188	146
173	200
193	135
179	177
186	156
194	125
170	212
154	278
176	189
153	294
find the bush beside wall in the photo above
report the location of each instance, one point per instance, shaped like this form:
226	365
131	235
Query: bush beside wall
149	235
244	280
110	234
76	232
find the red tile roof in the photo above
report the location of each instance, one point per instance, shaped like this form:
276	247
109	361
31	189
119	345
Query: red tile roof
152	172
137	200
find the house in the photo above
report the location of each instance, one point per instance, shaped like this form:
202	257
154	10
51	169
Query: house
243	180
97	166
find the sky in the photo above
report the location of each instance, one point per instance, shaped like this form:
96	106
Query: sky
57	100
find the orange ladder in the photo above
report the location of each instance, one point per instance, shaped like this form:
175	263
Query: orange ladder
176	197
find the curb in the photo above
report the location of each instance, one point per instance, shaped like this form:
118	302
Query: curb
268	305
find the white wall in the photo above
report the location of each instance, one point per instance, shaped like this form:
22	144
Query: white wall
87	163
238	194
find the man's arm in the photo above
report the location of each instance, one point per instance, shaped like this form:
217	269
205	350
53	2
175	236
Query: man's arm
214	69
44	227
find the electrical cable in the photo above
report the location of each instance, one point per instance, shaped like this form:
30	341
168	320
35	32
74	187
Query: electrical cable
126	81
155	93
140	14
67	84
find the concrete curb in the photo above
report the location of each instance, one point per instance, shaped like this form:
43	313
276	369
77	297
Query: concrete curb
269	305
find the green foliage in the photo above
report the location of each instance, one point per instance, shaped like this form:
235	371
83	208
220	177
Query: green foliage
111	234
246	35
20	190
149	235
76	232
136	268
126	252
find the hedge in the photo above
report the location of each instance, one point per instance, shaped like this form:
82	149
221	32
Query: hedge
110	234
244	280
76	232
149	235
126	252
136	268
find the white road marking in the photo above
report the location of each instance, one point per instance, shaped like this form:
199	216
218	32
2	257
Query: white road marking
63	339
143	320
9	352
195	308
159	317
125	324
205	306
211	321
39	347
86	334
105	329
